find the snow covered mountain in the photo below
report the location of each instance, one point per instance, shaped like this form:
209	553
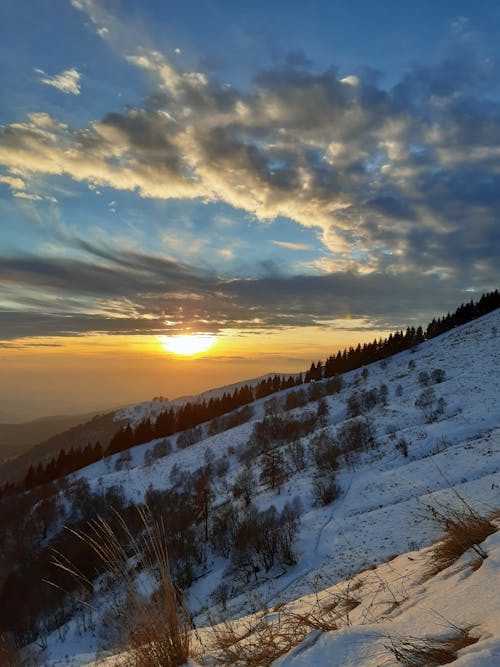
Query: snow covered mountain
350	483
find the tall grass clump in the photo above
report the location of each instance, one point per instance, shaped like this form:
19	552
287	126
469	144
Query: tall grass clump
464	529
148	613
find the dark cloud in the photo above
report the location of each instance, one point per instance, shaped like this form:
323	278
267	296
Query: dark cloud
80	277
392	206
124	298
16	325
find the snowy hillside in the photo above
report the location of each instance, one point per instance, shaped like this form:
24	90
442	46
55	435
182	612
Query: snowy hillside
151	409
359	481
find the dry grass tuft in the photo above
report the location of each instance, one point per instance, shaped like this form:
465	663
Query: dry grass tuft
155	624
257	641
428	652
465	529
254	642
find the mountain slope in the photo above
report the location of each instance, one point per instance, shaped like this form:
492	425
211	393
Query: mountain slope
435	427
15	438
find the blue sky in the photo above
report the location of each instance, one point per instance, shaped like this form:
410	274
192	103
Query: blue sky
249	167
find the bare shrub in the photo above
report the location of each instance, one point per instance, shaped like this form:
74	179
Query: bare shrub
322	412
124	461
275	430
273	406
333	385
244	485
354	405
325	451
189	437
223	528
264	539
296	454
423	378
316	391
295	399
154	623
274	470
356	435
425	401
161	449
438	375
325	489
221	466
402	445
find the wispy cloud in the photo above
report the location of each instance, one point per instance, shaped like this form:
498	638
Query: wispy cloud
67	81
125	292
28	195
292	246
31	196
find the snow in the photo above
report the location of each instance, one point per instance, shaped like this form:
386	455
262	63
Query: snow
383	510
459	597
151	409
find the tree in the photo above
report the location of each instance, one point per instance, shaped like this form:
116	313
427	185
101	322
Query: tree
202	497
244	485
425	401
322	412
274	470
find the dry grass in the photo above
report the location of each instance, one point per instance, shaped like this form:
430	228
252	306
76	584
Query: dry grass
11	656
155	624
258	640
428	652
464	529
254	642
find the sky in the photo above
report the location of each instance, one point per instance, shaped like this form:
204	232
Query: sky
286	177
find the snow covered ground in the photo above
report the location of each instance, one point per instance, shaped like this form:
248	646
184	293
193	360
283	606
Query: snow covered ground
396	609
383	509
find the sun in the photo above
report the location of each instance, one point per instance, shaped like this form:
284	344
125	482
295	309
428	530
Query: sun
187	345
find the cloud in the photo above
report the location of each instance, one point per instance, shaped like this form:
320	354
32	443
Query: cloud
28	195
125	292
14	182
396	180
31	196
291	246
67	81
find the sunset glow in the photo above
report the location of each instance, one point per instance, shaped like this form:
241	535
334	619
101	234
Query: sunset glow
187	345
251	190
